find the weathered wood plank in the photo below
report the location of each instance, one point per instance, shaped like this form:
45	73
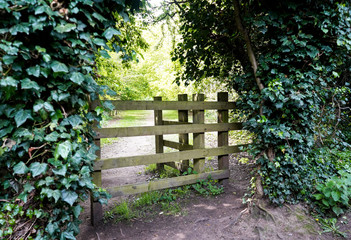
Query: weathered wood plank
168	122
165	183
177	145
160	130
158	119
167	105
120	162
199	137
183	117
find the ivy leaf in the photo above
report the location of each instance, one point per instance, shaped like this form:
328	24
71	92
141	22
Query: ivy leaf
61	172
110	32
8	81
63	149
37	168
52	137
34	71
20	168
77	210
62	28
29	84
69	196
22	116
77	77
59	67
335	195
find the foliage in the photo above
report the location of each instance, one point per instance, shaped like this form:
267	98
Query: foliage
335	193
149	202
208	187
293	81
329	225
47	55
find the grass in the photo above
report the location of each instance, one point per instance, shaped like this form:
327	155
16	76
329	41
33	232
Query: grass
167	202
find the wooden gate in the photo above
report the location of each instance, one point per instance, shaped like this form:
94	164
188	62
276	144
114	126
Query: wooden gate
180	159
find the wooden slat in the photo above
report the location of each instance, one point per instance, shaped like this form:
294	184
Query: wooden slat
160	130
165	183
168	122
177	145
167	105
120	162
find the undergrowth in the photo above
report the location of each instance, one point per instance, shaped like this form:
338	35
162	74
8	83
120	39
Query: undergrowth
167	202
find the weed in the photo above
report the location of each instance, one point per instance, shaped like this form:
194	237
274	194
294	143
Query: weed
329	225
147	199
208	187
120	212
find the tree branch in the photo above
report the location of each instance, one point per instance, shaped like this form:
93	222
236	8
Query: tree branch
250	51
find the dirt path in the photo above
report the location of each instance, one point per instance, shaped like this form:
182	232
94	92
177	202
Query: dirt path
221	217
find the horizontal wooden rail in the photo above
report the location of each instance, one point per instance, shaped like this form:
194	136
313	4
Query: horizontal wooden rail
110	163
165	183
162	130
167	105
167	122
177	145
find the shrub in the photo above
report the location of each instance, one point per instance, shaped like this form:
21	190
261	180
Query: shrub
47	54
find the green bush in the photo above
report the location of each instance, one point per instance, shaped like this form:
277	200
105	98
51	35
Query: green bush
47	56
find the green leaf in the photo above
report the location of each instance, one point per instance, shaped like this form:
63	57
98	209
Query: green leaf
110	32
63	149
69	196
62	28
7	59
8	81
20	168
61	172
37	168
337	210
34	71
335	195
77	77
22	116
318	196
52	137
29	84
59	67
77	210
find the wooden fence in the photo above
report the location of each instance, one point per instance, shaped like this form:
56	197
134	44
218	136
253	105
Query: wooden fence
180	159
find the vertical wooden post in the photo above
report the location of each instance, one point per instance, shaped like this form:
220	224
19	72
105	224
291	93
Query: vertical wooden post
223	160
158	138
199	138
183	138
95	206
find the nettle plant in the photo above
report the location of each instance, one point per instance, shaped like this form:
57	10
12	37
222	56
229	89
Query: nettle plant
47	55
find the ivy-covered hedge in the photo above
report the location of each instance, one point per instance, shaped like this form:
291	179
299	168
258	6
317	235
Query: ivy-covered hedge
47	52
290	64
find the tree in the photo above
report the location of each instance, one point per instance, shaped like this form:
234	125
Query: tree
47	58
290	64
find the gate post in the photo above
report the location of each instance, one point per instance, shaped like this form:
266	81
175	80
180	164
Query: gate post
223	160
199	138
95	206
158	119
183	117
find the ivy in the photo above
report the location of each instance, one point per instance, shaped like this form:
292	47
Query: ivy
48	51
302	51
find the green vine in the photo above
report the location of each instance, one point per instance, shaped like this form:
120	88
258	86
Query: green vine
47	59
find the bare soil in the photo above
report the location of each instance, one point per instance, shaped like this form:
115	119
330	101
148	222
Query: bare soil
201	218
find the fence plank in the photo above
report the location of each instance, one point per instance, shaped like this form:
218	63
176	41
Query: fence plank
120	162
165	183
158	118
199	137
167	105
177	145
168	122
159	130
